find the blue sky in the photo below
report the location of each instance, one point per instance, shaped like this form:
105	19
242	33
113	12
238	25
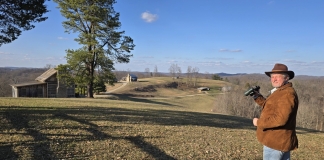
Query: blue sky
231	36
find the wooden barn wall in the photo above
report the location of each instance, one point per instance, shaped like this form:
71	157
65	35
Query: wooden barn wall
52	86
32	91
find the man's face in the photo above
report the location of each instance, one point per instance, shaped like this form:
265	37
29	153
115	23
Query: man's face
277	79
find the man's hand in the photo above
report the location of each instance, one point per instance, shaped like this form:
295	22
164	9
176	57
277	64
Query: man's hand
255	121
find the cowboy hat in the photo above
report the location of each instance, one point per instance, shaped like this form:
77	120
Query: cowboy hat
281	68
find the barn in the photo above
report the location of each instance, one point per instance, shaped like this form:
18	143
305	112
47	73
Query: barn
46	85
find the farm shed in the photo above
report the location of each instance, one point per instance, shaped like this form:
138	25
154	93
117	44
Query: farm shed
46	85
131	78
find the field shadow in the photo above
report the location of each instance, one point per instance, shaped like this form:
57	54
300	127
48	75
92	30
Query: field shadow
139	98
6	152
20	121
141	81
154	151
301	130
21	118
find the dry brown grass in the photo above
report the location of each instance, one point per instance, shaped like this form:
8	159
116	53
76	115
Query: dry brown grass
132	128
160	89
115	86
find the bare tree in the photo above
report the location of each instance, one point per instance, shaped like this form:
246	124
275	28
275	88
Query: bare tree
173	69
195	75
48	66
155	73
189	76
207	75
147	71
120	74
178	71
192	76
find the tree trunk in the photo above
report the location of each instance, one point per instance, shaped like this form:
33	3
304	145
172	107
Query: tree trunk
90	90
90	83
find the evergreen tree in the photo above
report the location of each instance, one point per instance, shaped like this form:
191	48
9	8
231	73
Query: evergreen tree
103	44
99	85
217	77
18	15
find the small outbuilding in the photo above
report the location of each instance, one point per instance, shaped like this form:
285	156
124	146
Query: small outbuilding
46	85
131	78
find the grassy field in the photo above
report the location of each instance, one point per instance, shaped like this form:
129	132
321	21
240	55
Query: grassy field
175	126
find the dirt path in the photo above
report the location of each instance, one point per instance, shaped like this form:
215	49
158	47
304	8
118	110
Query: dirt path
107	94
123	85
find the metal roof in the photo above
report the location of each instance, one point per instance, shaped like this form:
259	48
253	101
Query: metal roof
46	75
132	75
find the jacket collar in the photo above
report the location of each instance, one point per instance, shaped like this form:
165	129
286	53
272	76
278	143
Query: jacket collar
288	84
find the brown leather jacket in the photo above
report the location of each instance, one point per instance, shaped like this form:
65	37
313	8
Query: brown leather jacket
276	126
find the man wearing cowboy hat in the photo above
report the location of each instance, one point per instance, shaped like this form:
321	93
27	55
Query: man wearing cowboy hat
276	127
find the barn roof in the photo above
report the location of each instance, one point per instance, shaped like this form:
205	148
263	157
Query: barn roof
46	75
27	84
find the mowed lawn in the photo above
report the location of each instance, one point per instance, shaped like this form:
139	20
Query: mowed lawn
132	128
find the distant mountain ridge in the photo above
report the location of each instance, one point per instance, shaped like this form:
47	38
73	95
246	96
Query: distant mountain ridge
221	74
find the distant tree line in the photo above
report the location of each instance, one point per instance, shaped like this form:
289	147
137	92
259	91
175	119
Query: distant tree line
19	75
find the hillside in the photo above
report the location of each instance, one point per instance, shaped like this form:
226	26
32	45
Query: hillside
164	87
133	126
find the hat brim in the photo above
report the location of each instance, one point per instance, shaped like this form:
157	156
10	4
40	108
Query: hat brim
290	73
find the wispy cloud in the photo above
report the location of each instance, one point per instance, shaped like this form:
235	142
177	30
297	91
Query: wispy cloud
50	58
62	38
223	50
247	62
317	63
290	51
172	61
292	61
6	53
149	17
229	50
141	62
211	63
178	58
147	57
271	2
219	58
236	50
